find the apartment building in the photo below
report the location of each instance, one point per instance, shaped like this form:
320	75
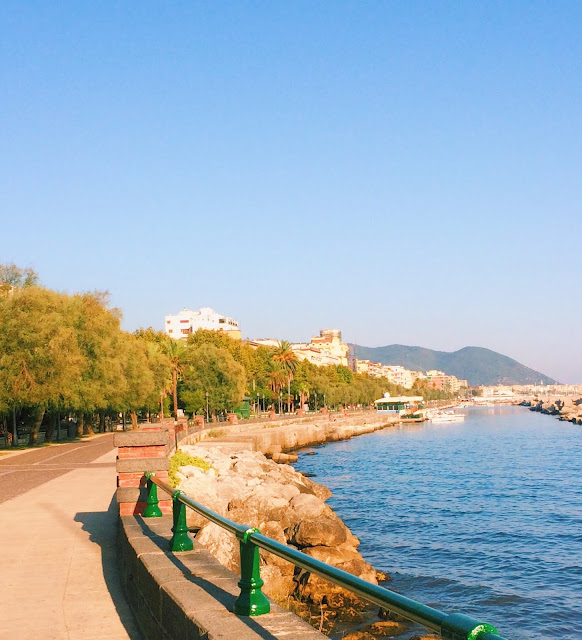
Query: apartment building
186	322
329	341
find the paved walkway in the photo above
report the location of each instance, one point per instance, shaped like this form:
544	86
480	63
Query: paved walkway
58	559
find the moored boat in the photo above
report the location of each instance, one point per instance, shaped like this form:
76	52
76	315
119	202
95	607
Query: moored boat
446	416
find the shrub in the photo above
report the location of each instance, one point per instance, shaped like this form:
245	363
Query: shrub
182	459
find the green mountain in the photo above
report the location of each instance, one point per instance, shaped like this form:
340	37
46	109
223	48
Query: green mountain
475	364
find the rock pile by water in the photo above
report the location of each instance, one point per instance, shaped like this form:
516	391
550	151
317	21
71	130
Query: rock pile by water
250	489
568	408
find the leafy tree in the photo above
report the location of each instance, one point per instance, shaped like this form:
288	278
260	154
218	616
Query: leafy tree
40	359
160	366
15	276
210	369
102	383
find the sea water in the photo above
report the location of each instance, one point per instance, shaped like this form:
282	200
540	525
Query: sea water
482	517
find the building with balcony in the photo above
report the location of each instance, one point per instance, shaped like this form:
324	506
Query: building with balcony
186	322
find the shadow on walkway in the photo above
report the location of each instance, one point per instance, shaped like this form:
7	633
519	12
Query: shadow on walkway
102	529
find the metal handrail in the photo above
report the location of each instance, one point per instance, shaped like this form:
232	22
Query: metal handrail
453	626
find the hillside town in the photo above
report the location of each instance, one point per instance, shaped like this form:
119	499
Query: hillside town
323	350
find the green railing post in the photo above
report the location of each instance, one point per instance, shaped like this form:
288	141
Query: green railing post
152	510
251	601
458	626
180	541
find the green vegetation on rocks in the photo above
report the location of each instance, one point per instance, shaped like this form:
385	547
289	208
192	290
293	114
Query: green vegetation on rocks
182	459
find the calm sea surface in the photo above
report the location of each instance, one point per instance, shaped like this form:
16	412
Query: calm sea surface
482	517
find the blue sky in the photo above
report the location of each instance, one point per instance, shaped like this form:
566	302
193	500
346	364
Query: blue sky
408	172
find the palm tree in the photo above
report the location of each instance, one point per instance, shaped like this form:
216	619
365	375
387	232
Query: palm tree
303	393
175	350
277	378
288	360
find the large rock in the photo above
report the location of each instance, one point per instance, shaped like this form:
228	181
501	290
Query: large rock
222	544
250	489
328	531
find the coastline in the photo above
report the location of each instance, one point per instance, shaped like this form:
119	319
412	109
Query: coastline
566	408
247	485
285	436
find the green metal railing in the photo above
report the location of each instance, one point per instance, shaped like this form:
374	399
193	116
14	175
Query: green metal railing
252	601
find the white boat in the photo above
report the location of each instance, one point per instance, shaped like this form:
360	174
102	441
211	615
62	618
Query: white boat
447	416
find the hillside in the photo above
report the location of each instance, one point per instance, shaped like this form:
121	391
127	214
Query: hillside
475	364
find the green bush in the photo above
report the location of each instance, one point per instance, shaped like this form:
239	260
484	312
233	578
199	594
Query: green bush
181	459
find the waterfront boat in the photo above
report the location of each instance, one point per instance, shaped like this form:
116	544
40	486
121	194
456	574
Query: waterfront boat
407	408
446	416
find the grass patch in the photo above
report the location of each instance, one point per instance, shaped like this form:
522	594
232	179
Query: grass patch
181	459
216	433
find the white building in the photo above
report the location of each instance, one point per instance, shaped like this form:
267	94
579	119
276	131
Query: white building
318	357
394	373
182	324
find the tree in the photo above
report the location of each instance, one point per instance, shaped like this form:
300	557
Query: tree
160	366
277	378
175	351
210	369
15	276
103	382
139	377
40	359
285	355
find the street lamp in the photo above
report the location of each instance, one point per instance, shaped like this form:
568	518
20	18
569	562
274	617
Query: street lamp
280	402
324	402
316	401
258	403
207	409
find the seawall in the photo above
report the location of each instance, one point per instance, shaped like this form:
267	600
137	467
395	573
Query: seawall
567	408
190	595
277	437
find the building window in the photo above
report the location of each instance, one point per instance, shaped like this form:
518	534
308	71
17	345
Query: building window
185	330
168	321
170	331
183	321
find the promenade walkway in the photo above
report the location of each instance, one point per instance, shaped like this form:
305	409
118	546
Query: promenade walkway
58	563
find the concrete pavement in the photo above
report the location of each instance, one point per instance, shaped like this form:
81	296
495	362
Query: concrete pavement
58	558
23	470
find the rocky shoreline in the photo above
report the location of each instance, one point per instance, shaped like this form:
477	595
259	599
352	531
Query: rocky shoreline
248	486
567	408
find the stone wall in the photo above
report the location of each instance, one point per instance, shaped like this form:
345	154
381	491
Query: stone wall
283	436
190	595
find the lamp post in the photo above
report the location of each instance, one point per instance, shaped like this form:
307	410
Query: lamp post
207	409
258	404
280	402
324	402
263	401
316	402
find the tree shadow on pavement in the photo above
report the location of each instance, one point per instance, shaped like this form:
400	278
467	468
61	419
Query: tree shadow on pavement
102	529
